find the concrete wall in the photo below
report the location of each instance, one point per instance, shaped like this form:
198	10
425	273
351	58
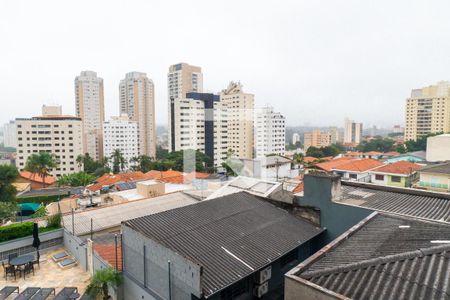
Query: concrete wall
337	218
437	182
49	240
77	248
294	290
152	272
438	148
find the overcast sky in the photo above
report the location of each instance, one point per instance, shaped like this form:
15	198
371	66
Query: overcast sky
316	62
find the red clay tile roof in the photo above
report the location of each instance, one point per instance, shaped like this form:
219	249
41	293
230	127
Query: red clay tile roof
108	179
329	165
37	178
166	176
359	165
299	188
350	153
400	167
108	253
309	159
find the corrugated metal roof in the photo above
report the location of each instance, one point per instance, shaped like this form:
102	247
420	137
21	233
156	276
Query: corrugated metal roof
420	274
231	236
423	205
389	257
442	168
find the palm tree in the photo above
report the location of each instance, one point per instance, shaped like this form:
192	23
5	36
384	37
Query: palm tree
100	281
118	161
41	164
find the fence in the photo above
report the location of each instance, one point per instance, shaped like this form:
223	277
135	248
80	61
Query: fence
49	240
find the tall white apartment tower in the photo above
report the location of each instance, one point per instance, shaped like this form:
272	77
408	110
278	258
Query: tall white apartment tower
240	108
89	101
137	100
121	133
352	132
428	111
270	132
182	78
9	134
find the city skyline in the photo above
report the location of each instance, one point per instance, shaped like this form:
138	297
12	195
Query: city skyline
321	66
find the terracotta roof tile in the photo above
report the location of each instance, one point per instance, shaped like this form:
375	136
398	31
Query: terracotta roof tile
37	178
329	165
400	167
309	159
108	253
359	165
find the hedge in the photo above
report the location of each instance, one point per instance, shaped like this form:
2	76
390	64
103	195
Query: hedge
15	231
41	199
19	230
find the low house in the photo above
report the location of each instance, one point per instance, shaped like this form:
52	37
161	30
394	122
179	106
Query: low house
401	174
417	156
328	166
270	167
357	169
35	180
233	247
435	177
372	154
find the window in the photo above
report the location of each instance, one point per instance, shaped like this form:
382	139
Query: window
396	179
353	176
379	177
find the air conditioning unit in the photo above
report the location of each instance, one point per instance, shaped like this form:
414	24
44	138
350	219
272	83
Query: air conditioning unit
261	290
264	275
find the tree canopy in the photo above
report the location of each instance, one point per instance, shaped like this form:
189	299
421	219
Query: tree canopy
8	204
331	150
41	164
76	179
379	144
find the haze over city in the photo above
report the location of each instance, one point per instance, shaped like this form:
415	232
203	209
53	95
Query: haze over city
315	61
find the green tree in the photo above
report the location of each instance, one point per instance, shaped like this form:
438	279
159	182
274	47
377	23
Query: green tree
161	153
41	164
76	179
315	152
142	163
420	144
118	161
378	143
294	146
8	174
98	287
8	210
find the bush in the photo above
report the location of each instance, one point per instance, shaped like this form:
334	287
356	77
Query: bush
41	199
15	231
40	212
54	221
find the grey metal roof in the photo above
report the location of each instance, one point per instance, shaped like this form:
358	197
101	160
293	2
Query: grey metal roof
419	274
433	206
388	257
231	236
383	235
442	168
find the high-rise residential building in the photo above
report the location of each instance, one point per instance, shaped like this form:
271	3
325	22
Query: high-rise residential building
137	100
352	132
54	133
181	79
9	134
428	111
317	139
89	106
270	132
240	108
295	138
334	135
199	122
121	133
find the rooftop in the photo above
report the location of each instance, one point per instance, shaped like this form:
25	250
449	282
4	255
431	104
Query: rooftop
359	165
252	185
398	251
403	201
230	237
111	216
400	167
443	168
334	163
37	178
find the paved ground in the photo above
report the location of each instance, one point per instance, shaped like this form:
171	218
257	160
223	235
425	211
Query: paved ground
50	275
